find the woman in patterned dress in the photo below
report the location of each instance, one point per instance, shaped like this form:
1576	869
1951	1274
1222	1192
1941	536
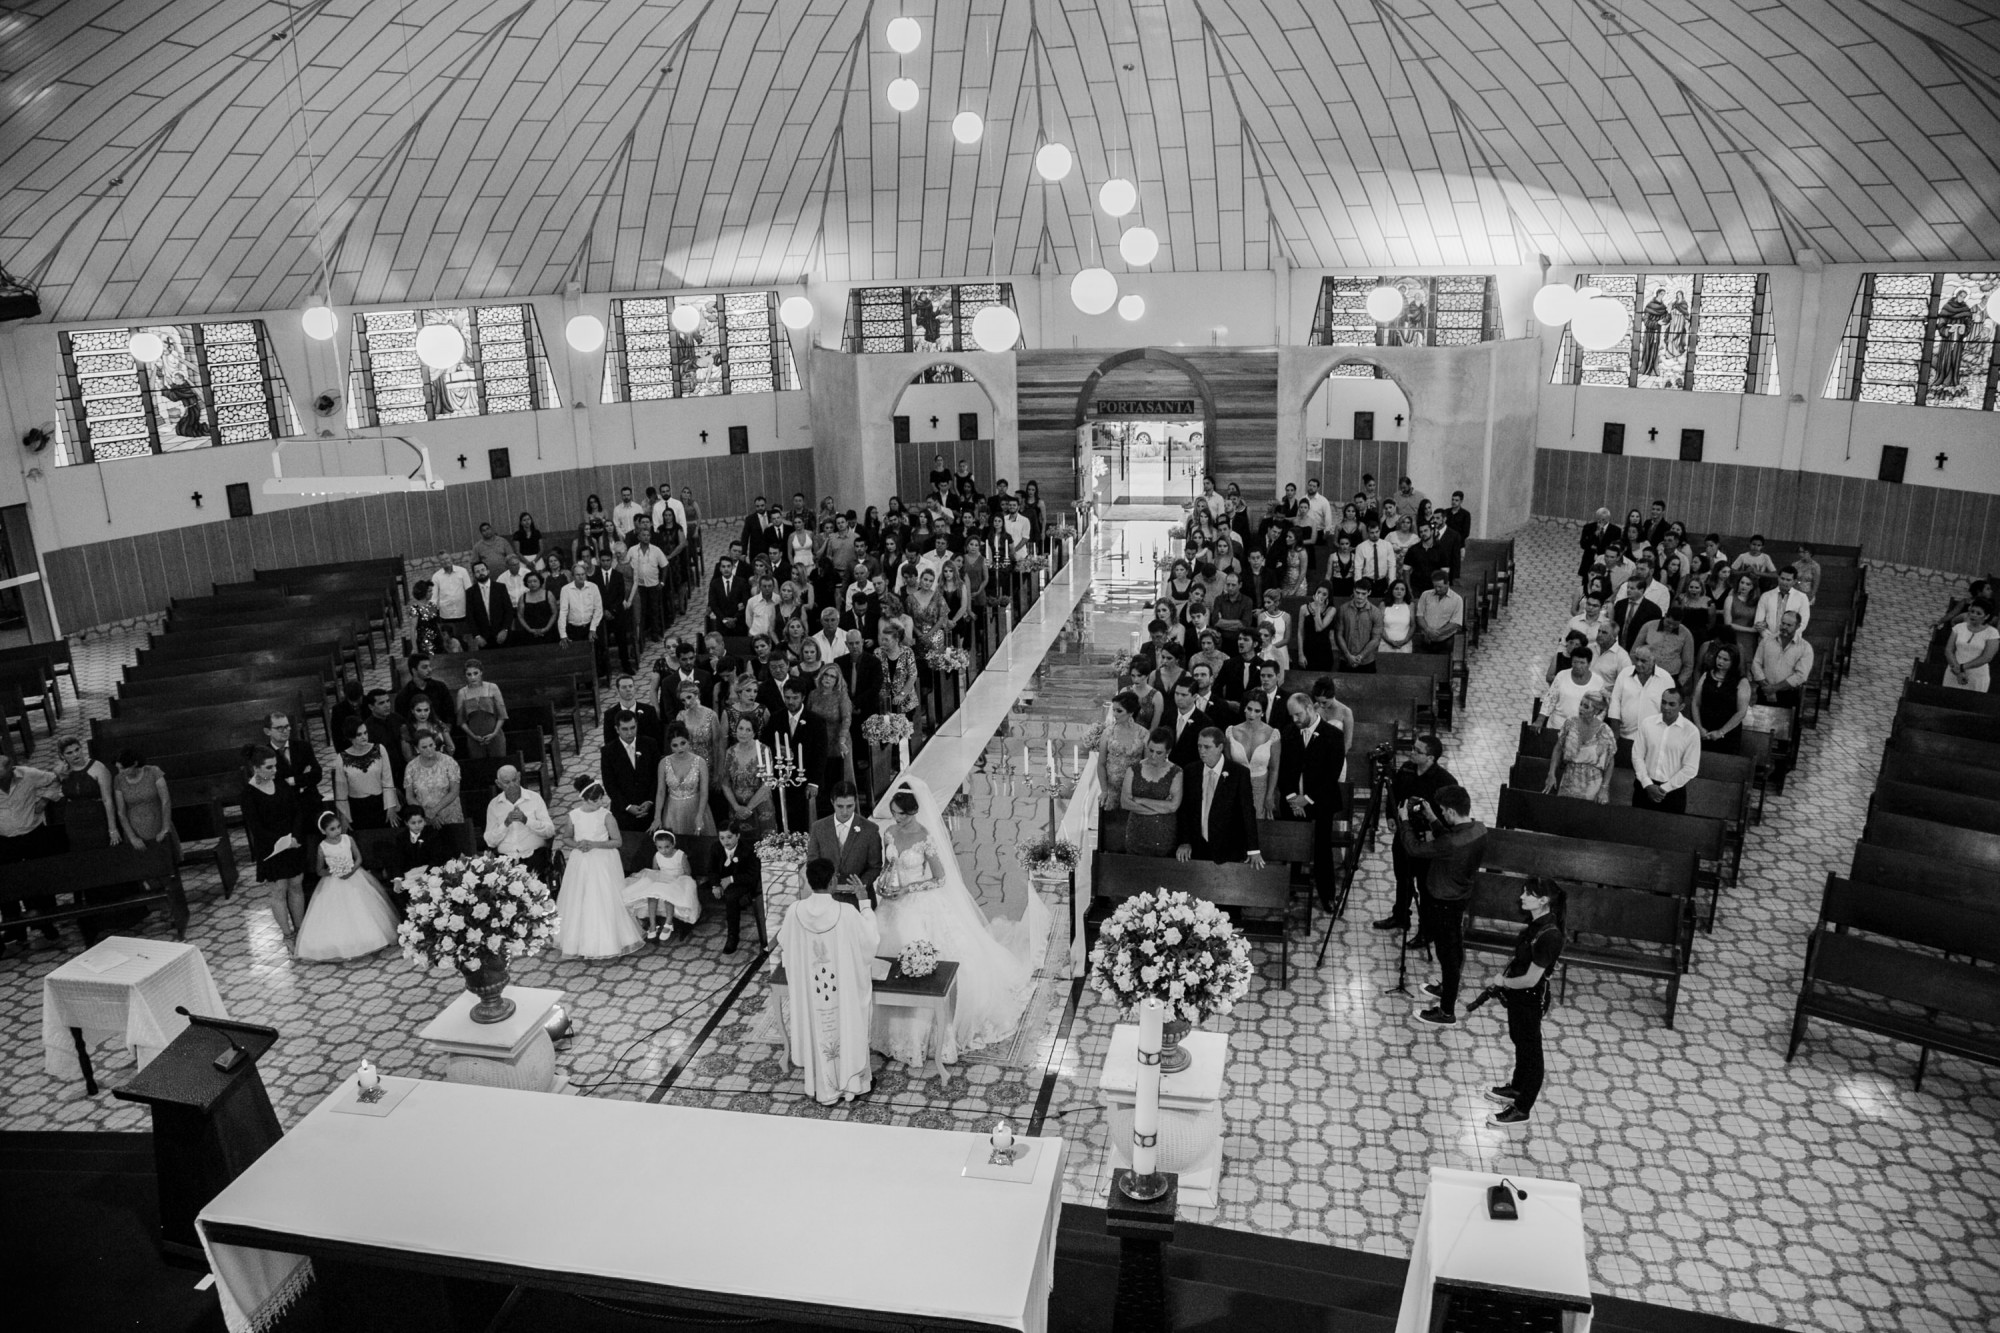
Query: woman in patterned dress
1584	754
1121	746
744	787
703	726
681	797
833	713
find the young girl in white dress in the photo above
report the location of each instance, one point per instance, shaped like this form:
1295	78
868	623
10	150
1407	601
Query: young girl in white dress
667	882
592	919
350	916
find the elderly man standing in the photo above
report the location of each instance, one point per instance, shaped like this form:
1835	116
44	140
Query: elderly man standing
25	834
1597	537
1636	694
518	823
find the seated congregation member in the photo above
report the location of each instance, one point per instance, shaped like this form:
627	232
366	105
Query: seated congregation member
1666	756
1782	664
733	876
1218	817
1152	793
1720	701
518	823
350	915
665	890
1440	614
489	610
592	918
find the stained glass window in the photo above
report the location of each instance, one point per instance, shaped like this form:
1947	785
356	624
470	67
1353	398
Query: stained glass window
211	384
735	345
1709	332
503	369
1919	340
921	319
1453	310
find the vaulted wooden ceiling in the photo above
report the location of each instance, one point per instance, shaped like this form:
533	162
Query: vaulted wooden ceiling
190	156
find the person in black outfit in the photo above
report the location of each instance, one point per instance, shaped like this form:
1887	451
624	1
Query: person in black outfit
444	704
1453	848
1418	781
1524	989
733	876
274	822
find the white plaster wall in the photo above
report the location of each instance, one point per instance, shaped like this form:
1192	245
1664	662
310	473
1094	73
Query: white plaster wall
921	402
1330	414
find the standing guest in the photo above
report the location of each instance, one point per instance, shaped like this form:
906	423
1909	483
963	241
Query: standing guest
1121	744
849	845
826	938
1233	609
1564	698
629	765
481	714
1399	619
25	794
513	578
493	550
89	815
535	614
1403	538
1358	630
1783	599
145	809
421	845
517	822
527	537
1721	701
1458	519
830	639
1375	559
625	514
793	727
421	685
1783	662
350	915
1754	561
613	595
1310	757
449	584
647	563
681	794
899	672
1637	693
1185	721
594	533
580	612
625	704
1608	659
1581	763
1253	746
364	783
833	713
1407	497
678	666
1151	795
1560	662
1739	615
427	628
431	783
384	728
273	819
1633	612
593	920
1217	819
1453	843
702	724
1970	649
1524	989
422	721
1666	756
746	785
1672	648
489	609
1440	614
1807	573
1414	785
1598	534
734	876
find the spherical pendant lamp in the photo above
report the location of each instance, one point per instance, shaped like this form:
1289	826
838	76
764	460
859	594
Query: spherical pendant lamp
1094	290
1554	304
1599	323
685	319
1118	196
1585	294
996	329
1132	307
440	346
903	94
146	346
1384	304
1053	162
318	321
1993	305
585	333
796	312
905	35
966	127
1138	246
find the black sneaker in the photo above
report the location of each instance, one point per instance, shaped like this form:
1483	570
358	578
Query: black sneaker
1393	923
1508	1118
1503	1094
1437	1018
1417	942
1432	989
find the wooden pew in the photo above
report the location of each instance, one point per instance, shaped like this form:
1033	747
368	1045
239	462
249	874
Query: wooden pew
41	879
1736	769
1629	911
1929	838
1709	798
241	641
1940	748
1957	722
179	693
1500	552
322	657
1910	988
1942	696
1259	896
1659	829
1916	771
1960	810
1874	863
348	626
218	719
51	659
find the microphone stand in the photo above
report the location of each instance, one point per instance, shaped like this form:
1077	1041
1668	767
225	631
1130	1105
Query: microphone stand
230	1058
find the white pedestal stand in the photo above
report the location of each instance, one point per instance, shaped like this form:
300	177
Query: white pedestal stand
513	1053
1190	1110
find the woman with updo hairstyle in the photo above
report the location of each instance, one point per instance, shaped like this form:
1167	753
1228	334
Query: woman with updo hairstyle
274	819
1121	745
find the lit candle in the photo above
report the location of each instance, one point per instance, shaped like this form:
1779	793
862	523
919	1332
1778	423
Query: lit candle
1075	758
1052	762
1002	1137
1146	1108
368	1079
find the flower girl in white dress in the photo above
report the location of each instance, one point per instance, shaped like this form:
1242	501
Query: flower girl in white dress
592	919
350	916
665	881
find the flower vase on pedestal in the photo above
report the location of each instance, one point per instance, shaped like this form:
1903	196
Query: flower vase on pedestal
1174	1057
488	981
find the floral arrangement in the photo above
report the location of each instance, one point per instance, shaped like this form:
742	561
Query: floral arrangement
1048	856
1032	562
781	852
473	909
918	959
1174	948
949	658
1095	736
887	728
1062	530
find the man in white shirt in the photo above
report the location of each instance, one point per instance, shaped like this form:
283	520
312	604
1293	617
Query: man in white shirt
1586	621
1651	588
1773	605
625	513
1608	659
580	609
513	576
648	563
449	584
518	823
1564	697
760	613
1017	527
831	641
1636	694
1666	756
1318	509
1212	499
1375	559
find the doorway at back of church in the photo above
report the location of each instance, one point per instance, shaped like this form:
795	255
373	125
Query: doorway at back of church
1145	462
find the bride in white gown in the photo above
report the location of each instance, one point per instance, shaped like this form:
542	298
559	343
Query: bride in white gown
921	894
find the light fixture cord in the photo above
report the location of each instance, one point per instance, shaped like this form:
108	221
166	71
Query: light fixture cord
312	160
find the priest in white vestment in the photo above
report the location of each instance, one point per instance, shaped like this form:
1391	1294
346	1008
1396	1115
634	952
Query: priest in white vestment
829	951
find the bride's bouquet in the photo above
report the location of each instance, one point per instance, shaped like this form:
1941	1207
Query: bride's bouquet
1174	948
918	959
887	728
474	909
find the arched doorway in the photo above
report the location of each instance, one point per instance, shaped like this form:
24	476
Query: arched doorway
1145	423
1357	426
944	416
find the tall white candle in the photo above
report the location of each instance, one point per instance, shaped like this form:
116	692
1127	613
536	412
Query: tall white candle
1146	1110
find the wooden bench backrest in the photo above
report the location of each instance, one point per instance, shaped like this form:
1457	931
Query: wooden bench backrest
160	720
1941	696
1952	749
214	687
1916	872
247	638
1938	775
91	868
1950	721
1946	923
1934	839
1942	807
1522	853
1290	841
382	567
305	656
1706	797
1352	688
1658	829
1920	979
1118	875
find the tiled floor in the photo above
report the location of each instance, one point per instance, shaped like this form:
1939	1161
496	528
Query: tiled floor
1823	1194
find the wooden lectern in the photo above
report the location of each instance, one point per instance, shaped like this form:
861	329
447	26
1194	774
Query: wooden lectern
209	1123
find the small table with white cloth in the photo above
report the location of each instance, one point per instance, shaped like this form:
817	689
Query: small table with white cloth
122	988
462	1193
1534	1264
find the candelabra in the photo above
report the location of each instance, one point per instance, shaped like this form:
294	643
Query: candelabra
1056	783
783	768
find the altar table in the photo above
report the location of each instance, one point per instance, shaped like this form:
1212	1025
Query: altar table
772	1216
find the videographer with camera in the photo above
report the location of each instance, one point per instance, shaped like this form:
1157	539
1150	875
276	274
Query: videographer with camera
1414	785
1453	849
1524	989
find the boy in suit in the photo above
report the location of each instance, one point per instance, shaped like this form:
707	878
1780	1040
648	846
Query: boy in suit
733	876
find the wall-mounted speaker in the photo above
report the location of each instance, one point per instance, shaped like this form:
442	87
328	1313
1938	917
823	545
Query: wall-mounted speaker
1364	425
901	425
501	464
1894	459
1614	437
1691	445
739	439
239	498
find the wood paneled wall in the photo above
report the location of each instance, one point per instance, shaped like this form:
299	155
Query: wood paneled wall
1927	526
134	576
1236	388
914	461
1344	463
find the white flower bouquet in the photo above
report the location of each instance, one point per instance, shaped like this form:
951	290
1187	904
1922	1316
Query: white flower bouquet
887	728
949	658
918	959
1048	856
780	853
1174	948
474	909
1032	562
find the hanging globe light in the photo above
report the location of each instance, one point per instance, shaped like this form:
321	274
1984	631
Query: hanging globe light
1385	304
585	333
1131	307
318	321
904	35
1585	294
1554	304
1599	323
1053	161
1094	290
1118	196
996	329
966	127
146	346
1138	246
440	346
685	319
903	94
796	312
1993	305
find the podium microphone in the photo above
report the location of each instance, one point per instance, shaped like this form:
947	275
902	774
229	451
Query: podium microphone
230	1058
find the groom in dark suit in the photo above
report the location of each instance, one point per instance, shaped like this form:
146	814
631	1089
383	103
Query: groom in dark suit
850	844
630	769
1218	819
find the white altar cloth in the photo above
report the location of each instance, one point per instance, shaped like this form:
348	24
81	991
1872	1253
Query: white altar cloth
124	988
664	1195
1542	1252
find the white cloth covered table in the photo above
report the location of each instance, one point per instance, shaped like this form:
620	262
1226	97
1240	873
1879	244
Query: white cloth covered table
123	988
1541	1253
610	1191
